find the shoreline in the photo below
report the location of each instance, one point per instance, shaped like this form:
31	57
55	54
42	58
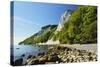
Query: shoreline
62	54
87	47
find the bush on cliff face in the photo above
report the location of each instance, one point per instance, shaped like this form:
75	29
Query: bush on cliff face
81	26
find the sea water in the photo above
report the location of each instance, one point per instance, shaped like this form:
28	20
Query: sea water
23	51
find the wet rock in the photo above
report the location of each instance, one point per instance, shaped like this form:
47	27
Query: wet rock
55	58
61	54
30	56
33	56
17	48
23	55
36	61
43	60
18	62
43	53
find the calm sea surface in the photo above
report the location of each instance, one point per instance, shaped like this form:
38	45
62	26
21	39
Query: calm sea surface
23	51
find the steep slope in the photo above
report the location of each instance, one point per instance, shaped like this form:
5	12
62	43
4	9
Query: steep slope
42	36
81	27
76	27
64	17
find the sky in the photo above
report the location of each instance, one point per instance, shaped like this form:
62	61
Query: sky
29	17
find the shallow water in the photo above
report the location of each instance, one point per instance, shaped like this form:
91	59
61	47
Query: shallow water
23	51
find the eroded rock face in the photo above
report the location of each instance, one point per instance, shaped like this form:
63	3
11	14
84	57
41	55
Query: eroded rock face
65	16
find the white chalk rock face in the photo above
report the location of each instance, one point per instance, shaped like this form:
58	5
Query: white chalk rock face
52	42
65	16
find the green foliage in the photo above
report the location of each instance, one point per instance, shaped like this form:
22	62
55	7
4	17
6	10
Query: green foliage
42	36
81	26
56	35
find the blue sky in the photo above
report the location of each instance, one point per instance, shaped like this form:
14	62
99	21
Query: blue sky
29	17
